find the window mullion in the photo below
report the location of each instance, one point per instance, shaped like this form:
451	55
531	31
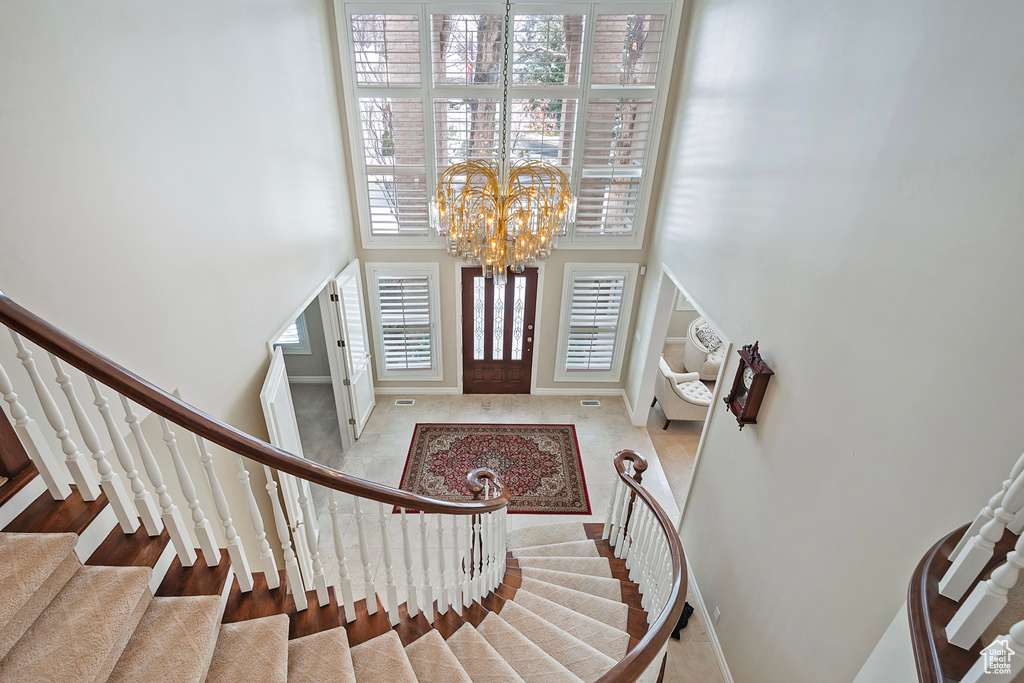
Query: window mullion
427	85
581	109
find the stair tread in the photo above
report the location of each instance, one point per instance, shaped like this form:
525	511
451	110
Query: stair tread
591	566
382	660
607	639
321	658
565	549
545	534
138	549
606	611
82	632
479	658
571	652
33	570
251	650
48	516
610	589
432	659
529	661
175	635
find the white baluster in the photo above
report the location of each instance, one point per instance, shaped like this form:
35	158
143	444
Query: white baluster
390	586
364	553
76	463
986	601
266	554
988	512
608	520
411	603
169	512
442	595
624	512
428	589
144	504
978	551
460	589
239	562
339	552
312	539
982	671
54	475
291	564
201	525
477	555
110	482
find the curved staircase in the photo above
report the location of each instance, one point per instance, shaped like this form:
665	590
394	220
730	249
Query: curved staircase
99	584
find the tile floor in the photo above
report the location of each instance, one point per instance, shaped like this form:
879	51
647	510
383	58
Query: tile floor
380	453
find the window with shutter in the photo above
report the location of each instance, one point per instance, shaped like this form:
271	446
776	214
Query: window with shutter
404	309
585	95
595	314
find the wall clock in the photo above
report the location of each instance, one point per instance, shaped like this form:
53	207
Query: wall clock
748	388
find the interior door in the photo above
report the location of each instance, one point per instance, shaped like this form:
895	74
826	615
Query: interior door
498	332
347	294
279	412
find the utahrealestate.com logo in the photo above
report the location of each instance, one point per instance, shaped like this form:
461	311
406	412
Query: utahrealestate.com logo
997	657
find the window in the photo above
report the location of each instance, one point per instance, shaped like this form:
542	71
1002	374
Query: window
403	299
295	339
596	307
585	95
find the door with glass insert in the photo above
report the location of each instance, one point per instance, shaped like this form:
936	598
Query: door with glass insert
498	332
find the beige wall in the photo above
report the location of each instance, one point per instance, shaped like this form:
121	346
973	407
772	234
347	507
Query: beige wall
844	185
680	323
170	183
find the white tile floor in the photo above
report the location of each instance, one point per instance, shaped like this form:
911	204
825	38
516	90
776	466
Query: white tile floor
380	454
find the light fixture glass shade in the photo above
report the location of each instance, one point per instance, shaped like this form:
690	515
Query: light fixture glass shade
502	220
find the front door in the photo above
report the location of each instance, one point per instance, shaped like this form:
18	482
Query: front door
498	332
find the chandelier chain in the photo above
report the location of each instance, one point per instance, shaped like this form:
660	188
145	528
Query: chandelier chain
504	92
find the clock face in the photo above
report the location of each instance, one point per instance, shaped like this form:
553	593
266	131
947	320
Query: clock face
748	376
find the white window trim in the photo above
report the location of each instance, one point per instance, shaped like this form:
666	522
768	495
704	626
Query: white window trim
630	272
302	347
432	272
428	92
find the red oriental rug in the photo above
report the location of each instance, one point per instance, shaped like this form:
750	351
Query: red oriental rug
540	464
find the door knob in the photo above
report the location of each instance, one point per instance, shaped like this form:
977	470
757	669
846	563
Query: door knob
529	340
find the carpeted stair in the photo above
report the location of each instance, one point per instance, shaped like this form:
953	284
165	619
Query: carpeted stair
563	619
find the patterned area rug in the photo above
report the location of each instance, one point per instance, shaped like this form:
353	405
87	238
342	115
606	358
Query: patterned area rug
540	464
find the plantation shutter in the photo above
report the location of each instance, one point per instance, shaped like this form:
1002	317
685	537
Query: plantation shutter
594	315
406	339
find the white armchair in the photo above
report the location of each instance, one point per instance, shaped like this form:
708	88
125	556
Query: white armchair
682	395
697	358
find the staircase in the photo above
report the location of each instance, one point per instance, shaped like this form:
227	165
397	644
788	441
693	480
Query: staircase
98	583
560	614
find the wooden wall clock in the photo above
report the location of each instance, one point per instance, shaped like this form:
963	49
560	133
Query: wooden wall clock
748	388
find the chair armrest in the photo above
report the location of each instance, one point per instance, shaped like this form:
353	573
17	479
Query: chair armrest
676	377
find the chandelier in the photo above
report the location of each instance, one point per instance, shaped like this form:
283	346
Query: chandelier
502	216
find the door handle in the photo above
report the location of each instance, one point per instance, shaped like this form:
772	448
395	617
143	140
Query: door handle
529	340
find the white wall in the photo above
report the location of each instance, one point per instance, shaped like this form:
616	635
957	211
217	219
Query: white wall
171	183
845	186
892	660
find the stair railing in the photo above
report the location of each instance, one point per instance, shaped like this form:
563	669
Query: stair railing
465	566
951	603
643	534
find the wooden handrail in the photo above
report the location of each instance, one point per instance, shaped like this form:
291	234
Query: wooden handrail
642	656
140	391
936	659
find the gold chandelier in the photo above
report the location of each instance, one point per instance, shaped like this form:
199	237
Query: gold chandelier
502	216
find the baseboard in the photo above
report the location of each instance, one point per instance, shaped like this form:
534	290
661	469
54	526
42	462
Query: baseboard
557	391
709	625
675	340
309	379
413	391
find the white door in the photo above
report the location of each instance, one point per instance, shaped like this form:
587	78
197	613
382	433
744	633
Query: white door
347	294
279	412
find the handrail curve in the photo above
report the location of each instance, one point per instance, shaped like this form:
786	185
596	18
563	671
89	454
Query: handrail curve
169	407
633	665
